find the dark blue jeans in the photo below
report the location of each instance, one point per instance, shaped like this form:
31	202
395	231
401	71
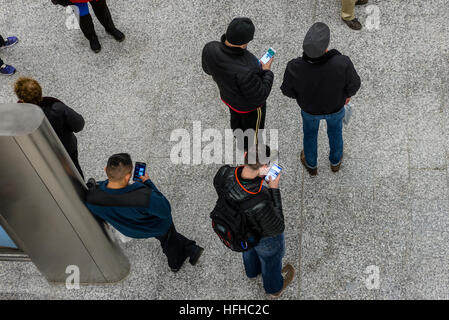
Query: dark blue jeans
311	124
266	258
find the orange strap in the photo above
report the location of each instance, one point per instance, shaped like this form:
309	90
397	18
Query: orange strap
238	181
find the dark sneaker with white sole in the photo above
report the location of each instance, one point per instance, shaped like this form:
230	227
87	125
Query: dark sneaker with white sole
7	70
9	42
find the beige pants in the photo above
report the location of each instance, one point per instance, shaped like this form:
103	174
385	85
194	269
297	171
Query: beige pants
348	9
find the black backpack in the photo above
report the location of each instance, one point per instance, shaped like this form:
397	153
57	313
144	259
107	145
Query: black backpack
231	225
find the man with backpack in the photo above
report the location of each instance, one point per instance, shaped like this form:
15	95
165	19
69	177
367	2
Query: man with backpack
248	218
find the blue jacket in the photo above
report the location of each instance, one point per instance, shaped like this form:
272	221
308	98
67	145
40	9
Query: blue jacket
139	210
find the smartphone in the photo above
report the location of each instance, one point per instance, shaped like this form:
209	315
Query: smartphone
139	170
268	56
273	172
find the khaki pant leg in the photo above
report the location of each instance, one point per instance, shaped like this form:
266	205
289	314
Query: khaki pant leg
348	9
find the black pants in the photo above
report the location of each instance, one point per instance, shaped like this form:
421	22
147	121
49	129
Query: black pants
2	42
177	247
103	15
74	157
254	120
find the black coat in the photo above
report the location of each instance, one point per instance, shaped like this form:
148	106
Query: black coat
266	217
239	76
64	120
321	86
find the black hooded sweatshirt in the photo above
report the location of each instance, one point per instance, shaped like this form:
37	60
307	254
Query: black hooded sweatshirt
243	85
321	85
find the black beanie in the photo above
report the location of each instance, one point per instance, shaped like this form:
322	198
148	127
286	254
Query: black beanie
240	31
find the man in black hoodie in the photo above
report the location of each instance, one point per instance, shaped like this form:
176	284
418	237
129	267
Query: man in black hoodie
242	187
64	120
244	82
322	82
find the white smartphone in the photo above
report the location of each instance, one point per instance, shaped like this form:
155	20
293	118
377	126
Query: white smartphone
273	172
268	56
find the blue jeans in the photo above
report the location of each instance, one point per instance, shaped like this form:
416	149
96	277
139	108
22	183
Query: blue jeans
266	258
83	9
311	124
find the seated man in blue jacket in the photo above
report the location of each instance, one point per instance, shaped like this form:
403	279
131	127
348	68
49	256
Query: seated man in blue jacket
139	211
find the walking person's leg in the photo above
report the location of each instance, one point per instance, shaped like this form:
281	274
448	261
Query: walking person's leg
335	135
348	14
87	26
178	248
310	126
74	157
270	251
252	263
103	14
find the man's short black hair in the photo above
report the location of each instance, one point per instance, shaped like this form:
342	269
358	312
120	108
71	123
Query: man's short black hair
119	165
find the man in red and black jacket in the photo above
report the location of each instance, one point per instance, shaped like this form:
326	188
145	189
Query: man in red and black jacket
244	82
103	15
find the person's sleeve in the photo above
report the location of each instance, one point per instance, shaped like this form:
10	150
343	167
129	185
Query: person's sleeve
204	60
353	81
159	205
271	219
287	85
73	119
255	87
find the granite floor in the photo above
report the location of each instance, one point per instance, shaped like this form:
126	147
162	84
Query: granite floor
388	207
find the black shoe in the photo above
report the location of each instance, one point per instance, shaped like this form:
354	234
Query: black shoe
361	2
95	44
117	34
175	270
193	260
353	24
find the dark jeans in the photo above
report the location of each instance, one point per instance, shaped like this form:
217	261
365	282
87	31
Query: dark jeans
311	124
177	247
254	120
2	42
266	258
74	157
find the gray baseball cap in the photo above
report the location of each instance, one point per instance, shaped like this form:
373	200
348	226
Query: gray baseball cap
317	40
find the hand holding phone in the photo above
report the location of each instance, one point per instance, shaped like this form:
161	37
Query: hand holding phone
273	176
139	171
267	59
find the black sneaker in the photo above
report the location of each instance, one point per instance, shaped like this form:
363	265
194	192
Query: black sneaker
95	44
193	260
117	34
361	2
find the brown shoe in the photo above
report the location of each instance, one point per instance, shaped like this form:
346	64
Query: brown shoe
353	24
361	2
337	167
312	172
290	274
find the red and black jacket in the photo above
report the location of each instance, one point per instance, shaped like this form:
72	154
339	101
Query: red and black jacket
243	85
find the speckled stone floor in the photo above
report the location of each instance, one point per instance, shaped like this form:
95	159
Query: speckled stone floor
387	207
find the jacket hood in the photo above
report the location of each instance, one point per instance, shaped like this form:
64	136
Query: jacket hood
323	59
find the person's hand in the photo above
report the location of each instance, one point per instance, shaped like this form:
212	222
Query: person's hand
274	184
144	178
267	66
348	100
